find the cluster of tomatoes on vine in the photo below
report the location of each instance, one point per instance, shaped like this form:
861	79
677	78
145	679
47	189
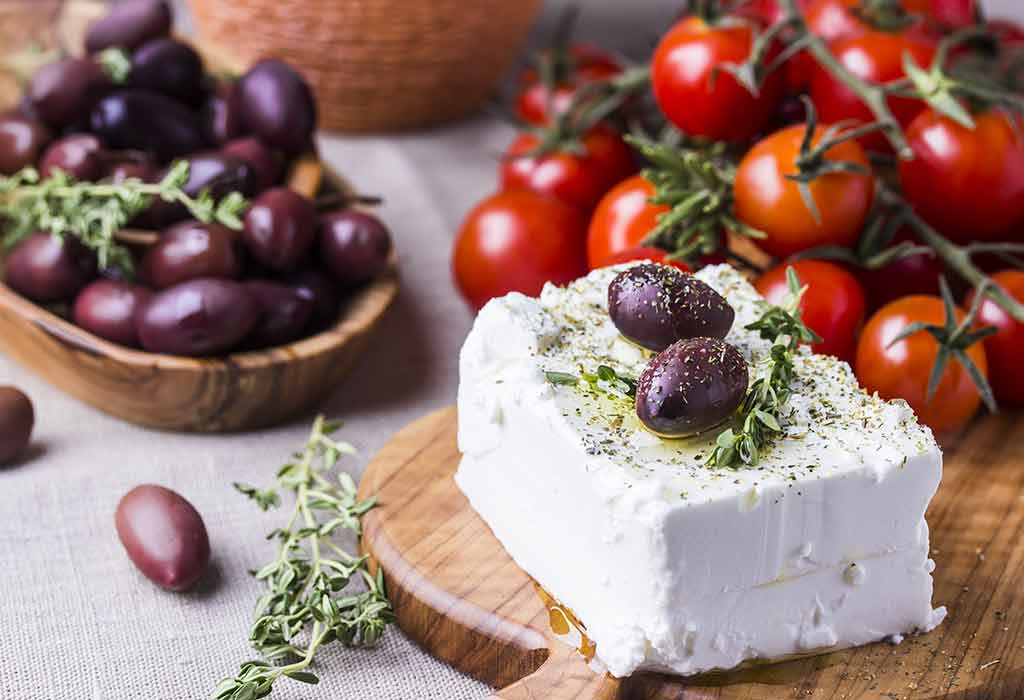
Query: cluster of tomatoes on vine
834	136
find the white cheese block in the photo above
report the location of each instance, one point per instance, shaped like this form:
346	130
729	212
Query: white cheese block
670	564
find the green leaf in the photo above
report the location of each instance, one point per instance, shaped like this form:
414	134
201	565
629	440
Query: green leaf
563	378
303	676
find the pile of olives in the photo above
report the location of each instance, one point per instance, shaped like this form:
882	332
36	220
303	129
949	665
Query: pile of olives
202	289
697	380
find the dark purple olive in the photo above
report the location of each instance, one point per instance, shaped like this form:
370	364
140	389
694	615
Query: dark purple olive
266	163
221	114
147	121
321	291
164	536
16	420
280	228
107	308
354	246
64	91
21	142
277	105
691	386
212	171
198	317
129	24
170	67
79	155
285	313
45	269
656	305
190	250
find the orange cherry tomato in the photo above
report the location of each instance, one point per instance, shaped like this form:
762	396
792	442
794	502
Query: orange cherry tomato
1005	349
622	220
769	201
901	369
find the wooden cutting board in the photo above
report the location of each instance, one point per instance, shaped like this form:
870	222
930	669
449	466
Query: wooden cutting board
459	595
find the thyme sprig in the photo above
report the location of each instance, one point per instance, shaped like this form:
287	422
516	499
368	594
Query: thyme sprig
93	212
604	379
768	394
307	582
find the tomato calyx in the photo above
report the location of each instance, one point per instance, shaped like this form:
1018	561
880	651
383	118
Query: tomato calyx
884	15
954	338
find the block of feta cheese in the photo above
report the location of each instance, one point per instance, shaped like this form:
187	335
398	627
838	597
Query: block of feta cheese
670	564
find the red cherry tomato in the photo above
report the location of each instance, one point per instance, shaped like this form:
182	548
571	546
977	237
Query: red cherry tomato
967	183
1004	349
536	103
954	14
644	253
914	274
769	201
901	369
833	305
697	95
1006	32
622	220
767	11
876	57
515	242
579	180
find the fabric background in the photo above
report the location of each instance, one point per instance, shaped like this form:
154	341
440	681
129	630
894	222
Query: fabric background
80	623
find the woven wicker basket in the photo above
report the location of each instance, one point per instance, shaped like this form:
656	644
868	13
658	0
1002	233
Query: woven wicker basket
379	65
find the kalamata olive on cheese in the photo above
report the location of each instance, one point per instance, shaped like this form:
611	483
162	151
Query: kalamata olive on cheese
277	105
164	536
691	386
16	421
147	121
199	317
285	312
221	113
108	308
47	269
280	228
190	250
322	293
170	67
21	143
64	91
656	305
354	246
265	162
79	155
128	24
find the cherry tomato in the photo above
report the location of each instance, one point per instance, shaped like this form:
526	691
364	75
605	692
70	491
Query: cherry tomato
515	242
644	253
537	103
769	201
767	11
1007	32
579	180
914	274
833	305
622	220
901	369
967	183
701	98
954	14
876	57
1003	350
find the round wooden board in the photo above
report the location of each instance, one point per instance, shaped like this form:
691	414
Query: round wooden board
459	595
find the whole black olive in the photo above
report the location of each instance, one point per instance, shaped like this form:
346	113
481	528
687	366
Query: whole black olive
265	162
221	114
79	155
63	92
285	313
46	269
21	142
129	24
691	386
16	421
199	317
170	67
280	228
354	246
321	291
147	121
190	250
656	305
164	536
107	308
277	105
212	171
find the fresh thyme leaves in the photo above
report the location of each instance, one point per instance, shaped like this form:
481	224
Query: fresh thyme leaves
604	379
93	212
307	597
771	390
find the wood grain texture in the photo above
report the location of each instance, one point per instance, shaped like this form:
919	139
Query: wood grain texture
459	595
